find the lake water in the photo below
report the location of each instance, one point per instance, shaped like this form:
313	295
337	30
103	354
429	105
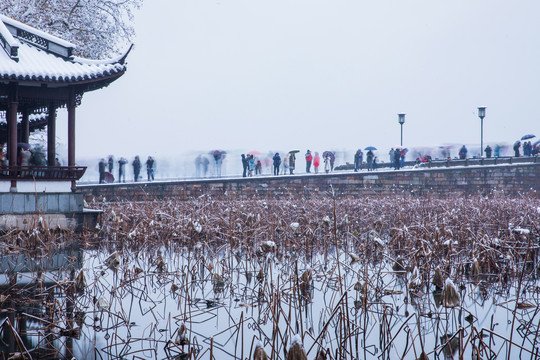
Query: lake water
170	302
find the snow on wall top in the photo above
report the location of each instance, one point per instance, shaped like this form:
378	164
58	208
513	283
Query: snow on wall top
48	60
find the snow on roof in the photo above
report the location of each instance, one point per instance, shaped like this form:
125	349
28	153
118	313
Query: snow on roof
6	34
8	42
37	65
44	35
46	58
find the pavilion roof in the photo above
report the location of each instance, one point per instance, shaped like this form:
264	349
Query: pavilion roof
32	55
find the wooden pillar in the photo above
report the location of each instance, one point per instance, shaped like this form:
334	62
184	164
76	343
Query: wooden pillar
25	126
51	136
12	132
71	131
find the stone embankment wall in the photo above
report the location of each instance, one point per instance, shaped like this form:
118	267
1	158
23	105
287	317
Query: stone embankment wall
439	182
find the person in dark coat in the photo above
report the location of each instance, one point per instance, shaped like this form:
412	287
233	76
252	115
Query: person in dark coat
356	160
517	145
111	163
292	162
136	168
463	152
277	163
397	159
150	168
488	151
369	158
527	147
102	171
244	165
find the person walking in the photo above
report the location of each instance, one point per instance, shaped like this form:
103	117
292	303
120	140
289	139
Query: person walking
497	150
111	163
285	165
277	163
309	158
517	145
101	168
327	163
397	159
292	162
369	159
251	164
316	162
258	167
150	168
218	159
357	161
527	147
488	151
122	169
205	162
136	168
198	164
463	153
244	165
391	155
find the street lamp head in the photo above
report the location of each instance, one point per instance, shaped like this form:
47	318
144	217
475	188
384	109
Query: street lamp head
482	112
401	118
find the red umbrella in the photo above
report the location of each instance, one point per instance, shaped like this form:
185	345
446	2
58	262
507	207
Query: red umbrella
254	152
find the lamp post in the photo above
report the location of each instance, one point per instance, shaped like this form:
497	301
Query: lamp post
481	115
401	120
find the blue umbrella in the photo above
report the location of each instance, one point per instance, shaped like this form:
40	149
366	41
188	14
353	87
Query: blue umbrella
527	137
536	143
370	148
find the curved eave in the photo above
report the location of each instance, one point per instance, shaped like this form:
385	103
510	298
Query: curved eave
63	80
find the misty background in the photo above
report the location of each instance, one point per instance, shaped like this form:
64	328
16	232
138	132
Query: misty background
309	74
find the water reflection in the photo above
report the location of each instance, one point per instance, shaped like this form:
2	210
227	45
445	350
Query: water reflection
175	303
39	318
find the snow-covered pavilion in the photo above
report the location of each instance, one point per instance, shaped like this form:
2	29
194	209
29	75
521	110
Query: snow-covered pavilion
38	75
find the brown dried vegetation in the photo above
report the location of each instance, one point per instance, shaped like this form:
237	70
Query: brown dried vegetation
370	261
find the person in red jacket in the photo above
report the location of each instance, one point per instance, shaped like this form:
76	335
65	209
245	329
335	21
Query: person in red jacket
309	158
316	162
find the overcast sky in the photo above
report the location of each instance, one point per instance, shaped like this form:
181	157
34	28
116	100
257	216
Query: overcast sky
284	74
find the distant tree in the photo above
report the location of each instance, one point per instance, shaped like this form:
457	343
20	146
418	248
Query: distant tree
99	28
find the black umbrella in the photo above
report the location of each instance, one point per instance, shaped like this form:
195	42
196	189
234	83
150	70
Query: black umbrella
527	137
218	154
24	146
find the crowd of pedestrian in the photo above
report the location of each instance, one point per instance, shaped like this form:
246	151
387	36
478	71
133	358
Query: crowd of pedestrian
286	163
106	168
528	149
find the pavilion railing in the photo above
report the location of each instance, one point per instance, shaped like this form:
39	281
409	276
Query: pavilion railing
42	173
